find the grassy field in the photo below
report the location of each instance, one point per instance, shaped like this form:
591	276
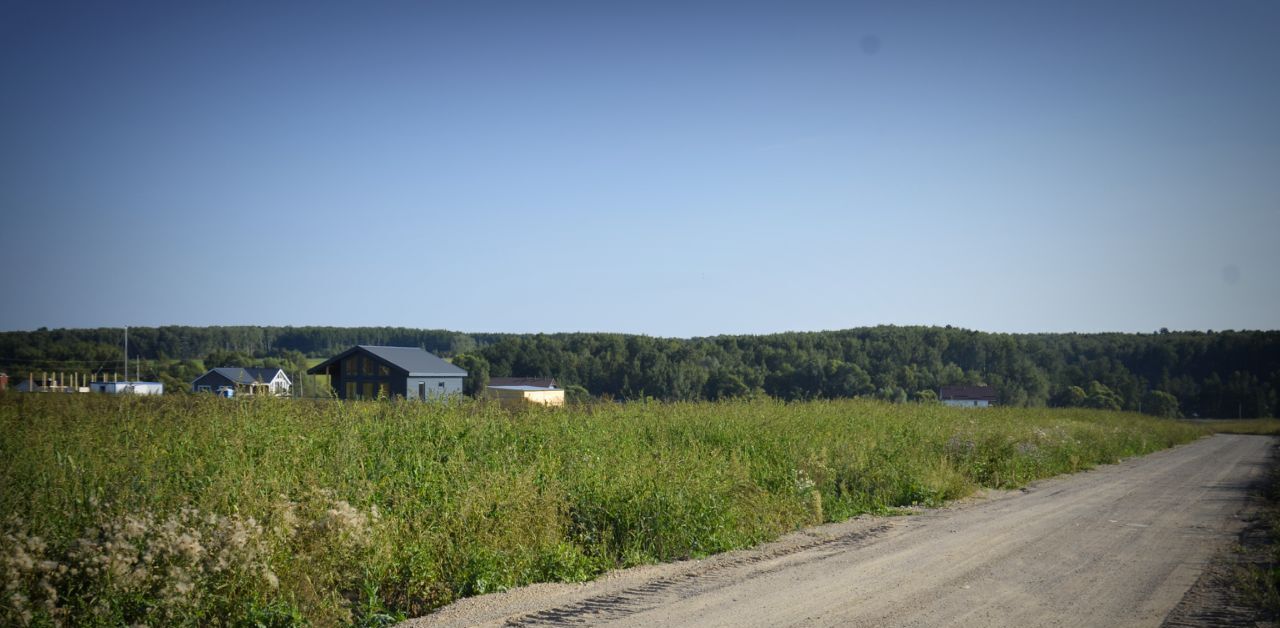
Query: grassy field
1265	427
195	510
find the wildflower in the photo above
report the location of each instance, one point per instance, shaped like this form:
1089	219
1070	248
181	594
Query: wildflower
22	560
802	483
134	528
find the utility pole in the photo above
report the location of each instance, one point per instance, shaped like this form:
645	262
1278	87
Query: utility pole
126	353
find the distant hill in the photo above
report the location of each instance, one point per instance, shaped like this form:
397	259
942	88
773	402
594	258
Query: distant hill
1218	374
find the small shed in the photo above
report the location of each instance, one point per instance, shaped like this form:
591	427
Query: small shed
244	381
372	372
968	396
516	396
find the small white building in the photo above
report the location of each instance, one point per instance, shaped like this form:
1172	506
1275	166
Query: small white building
127	388
968	396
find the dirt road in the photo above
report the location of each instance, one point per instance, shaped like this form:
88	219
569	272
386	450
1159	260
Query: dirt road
1116	546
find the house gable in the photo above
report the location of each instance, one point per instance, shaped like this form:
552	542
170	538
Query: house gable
212	378
409	361
367	371
233	376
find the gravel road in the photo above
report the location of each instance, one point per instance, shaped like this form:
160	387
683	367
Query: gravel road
1116	546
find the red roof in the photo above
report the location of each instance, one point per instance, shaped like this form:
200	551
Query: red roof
968	393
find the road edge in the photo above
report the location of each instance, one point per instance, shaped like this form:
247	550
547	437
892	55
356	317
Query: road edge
1216	598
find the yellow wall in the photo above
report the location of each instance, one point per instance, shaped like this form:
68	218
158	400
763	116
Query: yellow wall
516	398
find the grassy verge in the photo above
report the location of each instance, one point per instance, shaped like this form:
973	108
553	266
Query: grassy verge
195	510
1265	427
1257	574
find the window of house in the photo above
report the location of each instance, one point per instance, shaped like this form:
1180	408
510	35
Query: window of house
384	390
202	388
422	391
368	390
351	390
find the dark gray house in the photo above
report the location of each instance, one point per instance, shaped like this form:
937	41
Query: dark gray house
241	381
368	372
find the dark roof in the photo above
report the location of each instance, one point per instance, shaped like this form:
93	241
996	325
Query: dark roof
412	360
536	382
244	376
968	393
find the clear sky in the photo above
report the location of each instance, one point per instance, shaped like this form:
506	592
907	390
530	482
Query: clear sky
678	169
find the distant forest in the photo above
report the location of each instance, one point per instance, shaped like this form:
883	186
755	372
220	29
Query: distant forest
1207	374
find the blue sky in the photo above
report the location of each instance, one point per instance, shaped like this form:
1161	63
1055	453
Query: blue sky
674	169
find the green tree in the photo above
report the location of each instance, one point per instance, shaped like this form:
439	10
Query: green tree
1160	403
477	369
1071	397
1102	398
926	396
847	380
574	393
219	358
725	385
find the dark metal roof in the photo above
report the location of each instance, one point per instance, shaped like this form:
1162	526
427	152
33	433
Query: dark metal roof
537	382
968	393
244	376
412	360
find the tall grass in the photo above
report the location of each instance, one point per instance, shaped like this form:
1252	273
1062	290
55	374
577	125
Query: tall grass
1262	427
195	510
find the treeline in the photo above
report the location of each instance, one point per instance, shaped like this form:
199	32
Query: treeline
105	344
1223	374
1211	374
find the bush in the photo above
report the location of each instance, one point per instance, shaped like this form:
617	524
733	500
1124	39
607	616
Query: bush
1161	404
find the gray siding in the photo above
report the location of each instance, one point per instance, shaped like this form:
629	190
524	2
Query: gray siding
451	386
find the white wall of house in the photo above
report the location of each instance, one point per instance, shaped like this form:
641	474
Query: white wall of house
281	385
